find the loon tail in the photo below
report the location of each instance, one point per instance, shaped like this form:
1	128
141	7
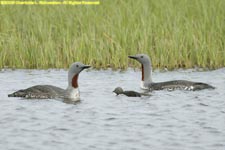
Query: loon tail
200	86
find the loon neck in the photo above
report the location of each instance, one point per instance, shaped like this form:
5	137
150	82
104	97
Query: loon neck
75	81
72	91
146	70
142	73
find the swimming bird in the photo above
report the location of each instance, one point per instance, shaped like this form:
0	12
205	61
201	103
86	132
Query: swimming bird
52	92
119	90
147	83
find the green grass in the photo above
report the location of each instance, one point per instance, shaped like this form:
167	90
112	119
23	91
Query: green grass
174	33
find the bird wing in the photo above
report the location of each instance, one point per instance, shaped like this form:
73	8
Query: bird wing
179	84
39	92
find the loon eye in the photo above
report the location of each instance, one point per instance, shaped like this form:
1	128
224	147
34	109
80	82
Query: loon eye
77	66
142	56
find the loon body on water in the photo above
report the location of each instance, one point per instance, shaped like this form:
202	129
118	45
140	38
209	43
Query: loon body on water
52	92
148	84
119	90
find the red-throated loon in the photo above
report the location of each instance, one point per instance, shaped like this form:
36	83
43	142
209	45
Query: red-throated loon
52	92
119	90
146	82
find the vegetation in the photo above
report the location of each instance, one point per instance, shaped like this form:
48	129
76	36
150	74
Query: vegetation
174	33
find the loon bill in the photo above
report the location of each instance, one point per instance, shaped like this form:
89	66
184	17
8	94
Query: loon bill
52	92
147	83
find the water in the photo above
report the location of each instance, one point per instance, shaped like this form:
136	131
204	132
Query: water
166	120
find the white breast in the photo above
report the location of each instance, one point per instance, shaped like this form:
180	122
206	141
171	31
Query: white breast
73	94
143	86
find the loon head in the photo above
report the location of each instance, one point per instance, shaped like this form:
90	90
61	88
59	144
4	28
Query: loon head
118	90
73	73
141	58
146	68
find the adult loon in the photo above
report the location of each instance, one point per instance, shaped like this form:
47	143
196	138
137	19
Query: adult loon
52	92
119	90
147	83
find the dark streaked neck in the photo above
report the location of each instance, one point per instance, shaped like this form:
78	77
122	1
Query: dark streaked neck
75	81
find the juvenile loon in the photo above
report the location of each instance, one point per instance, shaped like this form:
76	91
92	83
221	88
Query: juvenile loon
51	92
147	83
119	90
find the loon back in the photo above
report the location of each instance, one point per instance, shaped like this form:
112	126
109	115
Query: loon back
132	94
40	92
179	84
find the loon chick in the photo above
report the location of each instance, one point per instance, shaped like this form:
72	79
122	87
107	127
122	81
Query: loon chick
147	83
51	92
119	90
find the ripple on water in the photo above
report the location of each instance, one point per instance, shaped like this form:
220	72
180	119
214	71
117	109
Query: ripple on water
165	120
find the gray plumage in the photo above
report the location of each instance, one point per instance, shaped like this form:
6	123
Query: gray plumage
39	92
119	91
179	85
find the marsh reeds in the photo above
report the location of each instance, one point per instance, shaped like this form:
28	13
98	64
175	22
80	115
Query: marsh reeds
175	34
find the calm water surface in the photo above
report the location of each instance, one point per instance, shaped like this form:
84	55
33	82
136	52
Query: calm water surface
102	121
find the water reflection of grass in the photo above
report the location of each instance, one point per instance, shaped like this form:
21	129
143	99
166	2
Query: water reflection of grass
175	33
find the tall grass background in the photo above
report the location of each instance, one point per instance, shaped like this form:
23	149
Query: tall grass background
174	33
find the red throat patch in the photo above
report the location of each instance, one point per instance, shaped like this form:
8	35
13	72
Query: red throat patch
142	72
74	81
